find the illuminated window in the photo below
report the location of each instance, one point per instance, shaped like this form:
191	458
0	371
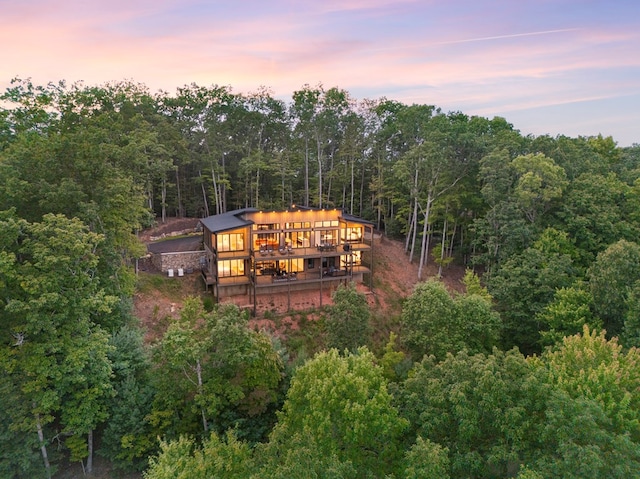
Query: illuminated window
298	225
326	224
353	234
299	239
295	265
353	259
328	236
266	226
267	240
232	267
231	242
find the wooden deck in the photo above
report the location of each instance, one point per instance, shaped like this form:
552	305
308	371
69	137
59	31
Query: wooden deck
281	256
269	280
311	252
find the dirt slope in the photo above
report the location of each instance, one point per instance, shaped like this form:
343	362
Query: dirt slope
394	279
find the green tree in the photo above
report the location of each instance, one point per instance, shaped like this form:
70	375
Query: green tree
83	165
301	459
230	372
502	230
594	214
591	427
566	314
540	182
342	403
522	287
436	323
611	277
472	285
54	354
348	325
429	321
588	365
631	336
217	458
394	362
577	441
483	411
480	324
426	460
128	439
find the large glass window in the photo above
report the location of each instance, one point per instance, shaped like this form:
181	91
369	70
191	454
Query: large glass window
231	242
232	267
299	239
266	241
353	259
352	234
328	237
294	265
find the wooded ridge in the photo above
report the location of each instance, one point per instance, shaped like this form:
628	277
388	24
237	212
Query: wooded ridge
531	372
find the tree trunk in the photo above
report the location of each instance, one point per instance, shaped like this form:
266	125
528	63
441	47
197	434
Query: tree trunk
179	192
216	191
319	153
442	248
204	195
223	189
414	228
425	237
306	172
258	188
150	194
200	391
90	452
330	179
43	447
344	197
282	176
353	187
454	230
361	190
414	221
164	198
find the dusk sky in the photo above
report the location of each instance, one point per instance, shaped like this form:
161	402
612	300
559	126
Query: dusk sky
553	67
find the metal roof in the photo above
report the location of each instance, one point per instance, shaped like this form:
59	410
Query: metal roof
234	219
355	219
227	221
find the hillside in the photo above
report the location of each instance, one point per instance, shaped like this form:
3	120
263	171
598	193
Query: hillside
160	298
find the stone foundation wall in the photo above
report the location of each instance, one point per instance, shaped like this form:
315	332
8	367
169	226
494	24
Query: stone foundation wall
187	260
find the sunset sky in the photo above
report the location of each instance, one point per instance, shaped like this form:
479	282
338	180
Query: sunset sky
553	67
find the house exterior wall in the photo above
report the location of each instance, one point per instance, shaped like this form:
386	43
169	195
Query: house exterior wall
275	251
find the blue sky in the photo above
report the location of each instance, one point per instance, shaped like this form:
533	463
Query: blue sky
548	66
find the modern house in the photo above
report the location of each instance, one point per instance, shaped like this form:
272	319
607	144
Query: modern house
251	252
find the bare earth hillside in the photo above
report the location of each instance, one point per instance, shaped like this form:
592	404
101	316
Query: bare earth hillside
394	279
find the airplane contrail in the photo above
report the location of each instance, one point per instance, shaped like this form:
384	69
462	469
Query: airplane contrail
514	35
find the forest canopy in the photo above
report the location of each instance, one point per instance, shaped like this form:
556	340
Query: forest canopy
531	370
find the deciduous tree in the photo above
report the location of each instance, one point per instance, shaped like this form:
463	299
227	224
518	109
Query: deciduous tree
53	352
348	325
611	277
342	403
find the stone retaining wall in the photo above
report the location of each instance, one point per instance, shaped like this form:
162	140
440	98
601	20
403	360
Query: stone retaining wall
187	260
172	234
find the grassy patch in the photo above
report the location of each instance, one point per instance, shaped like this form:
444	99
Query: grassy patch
308	338
172	288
